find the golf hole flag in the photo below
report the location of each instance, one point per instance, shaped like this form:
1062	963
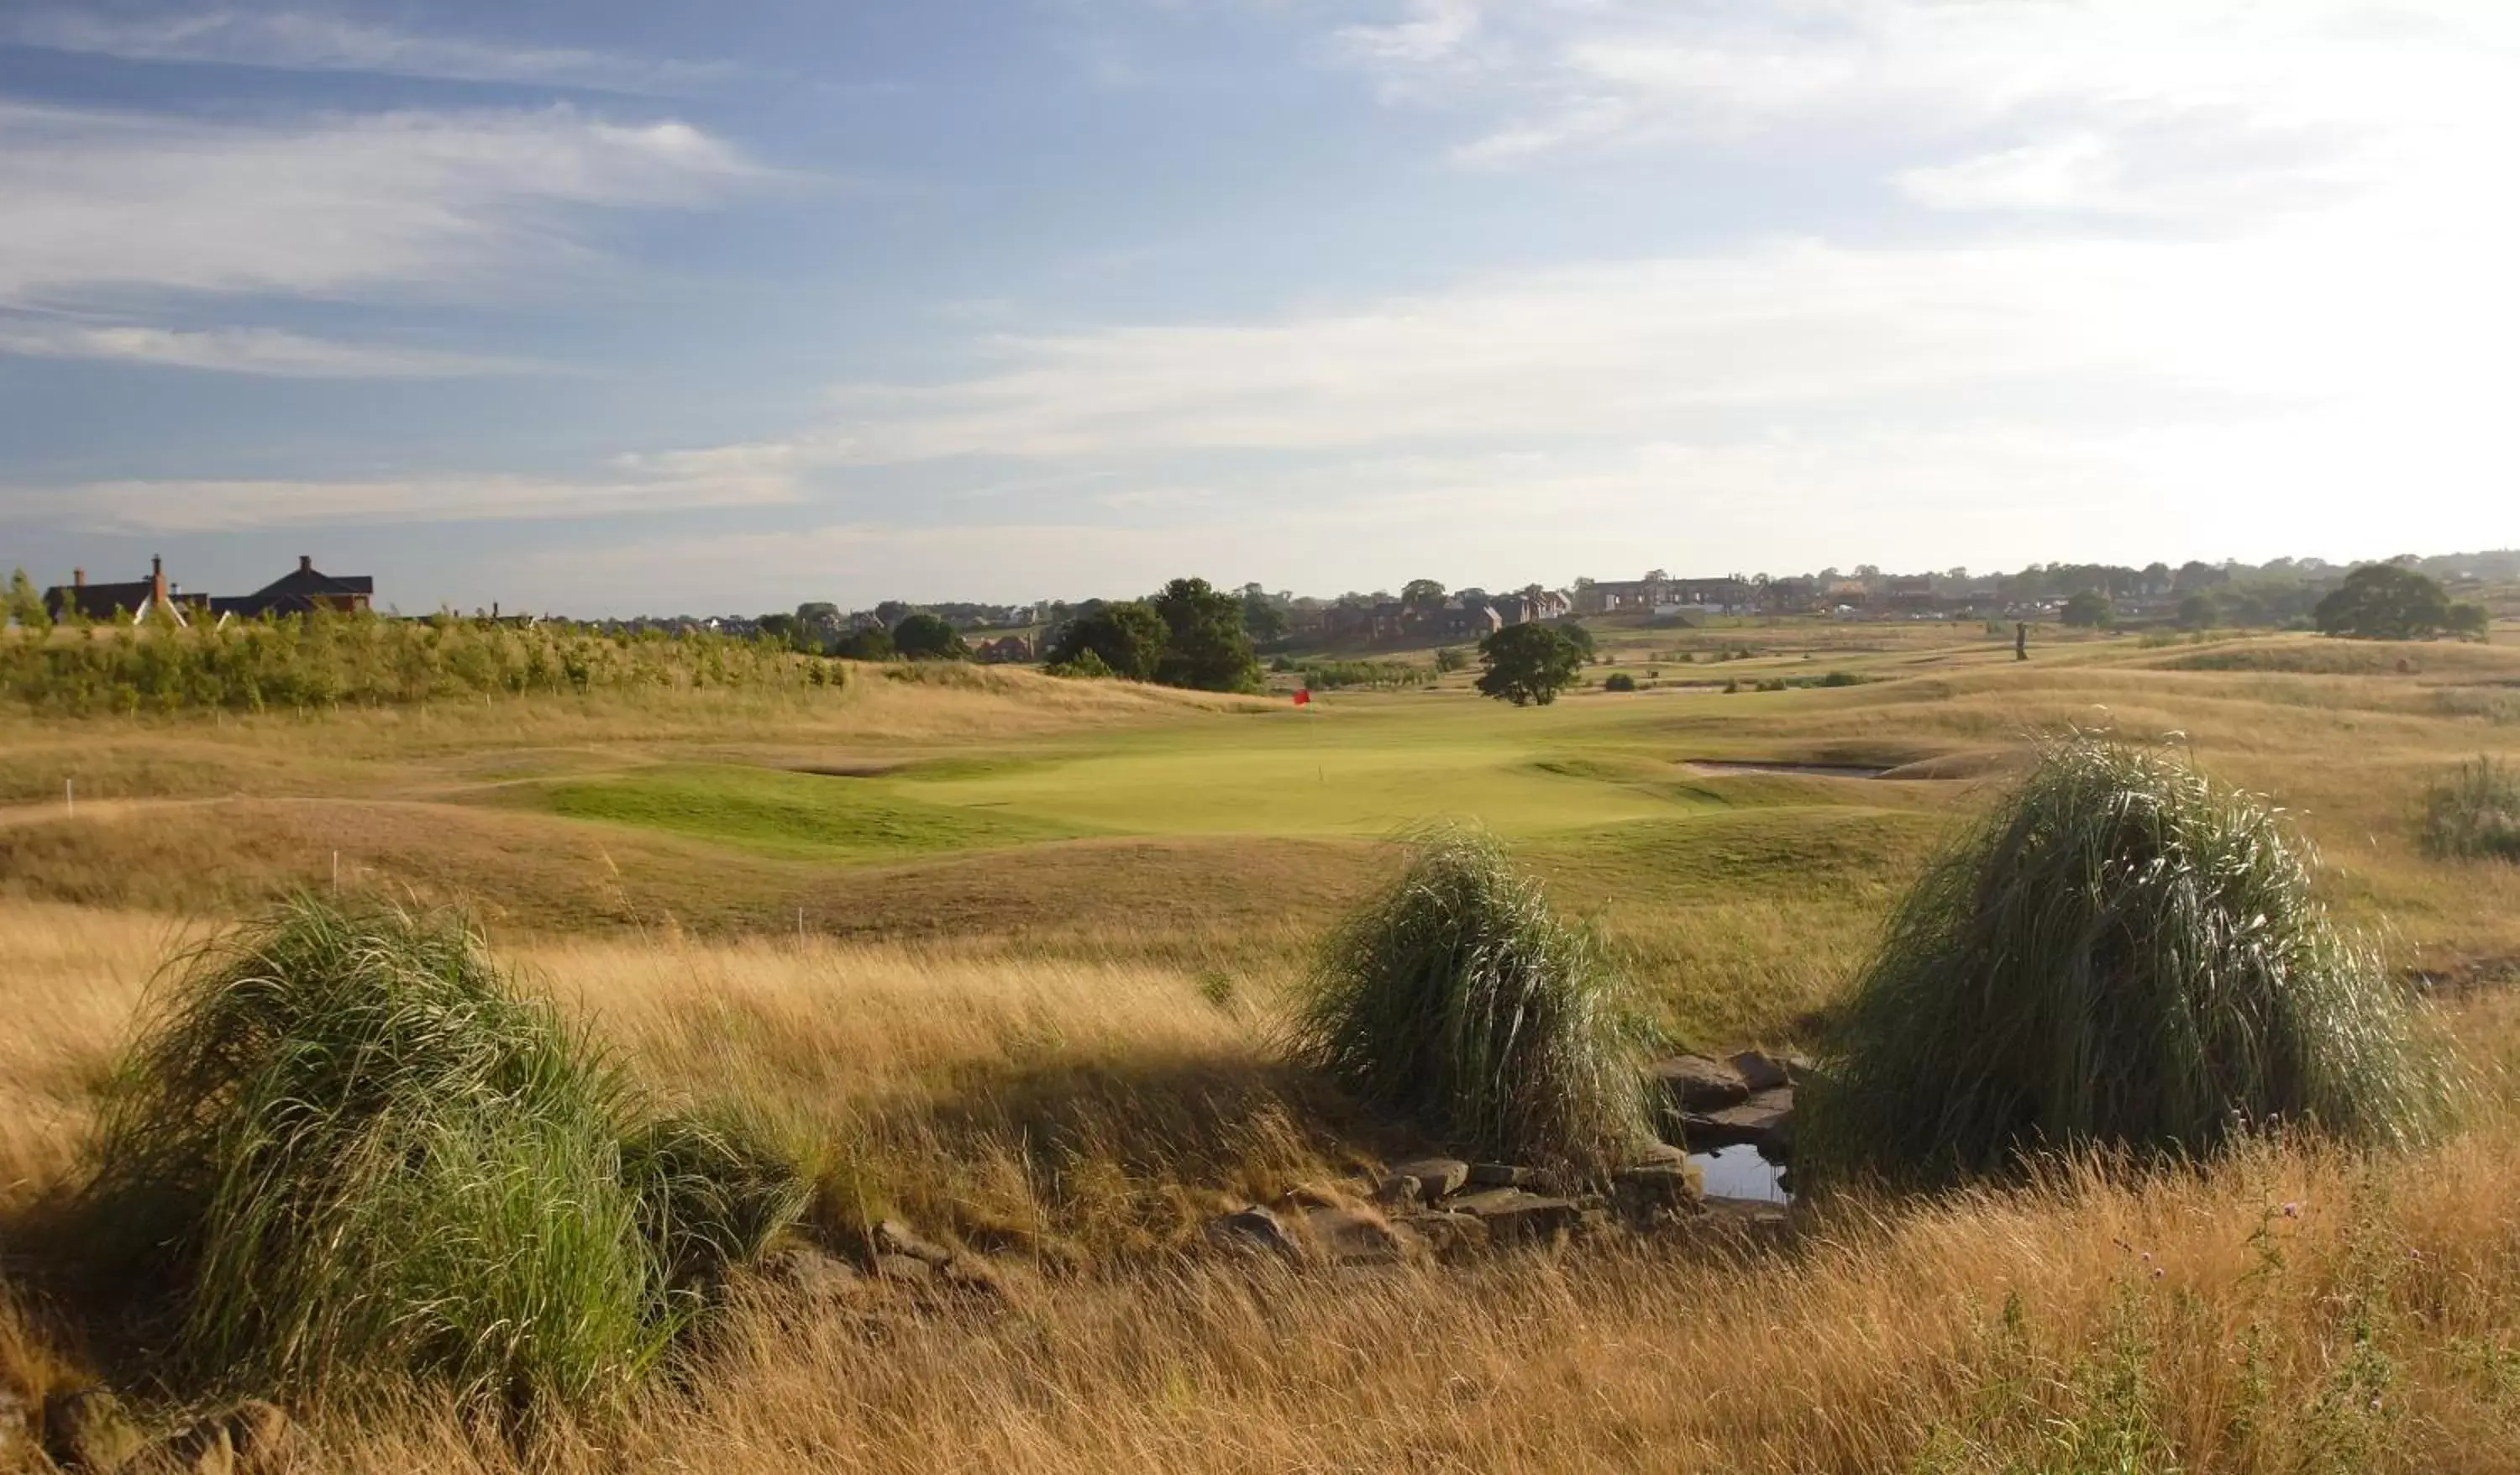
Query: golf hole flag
1303	697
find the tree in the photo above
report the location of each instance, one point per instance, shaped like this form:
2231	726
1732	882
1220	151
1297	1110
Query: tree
26	605
1206	644
1128	638
1421	595
926	637
866	643
2088	611
2385	601
1262	619
1578	637
2198	612
1528	663
2472	622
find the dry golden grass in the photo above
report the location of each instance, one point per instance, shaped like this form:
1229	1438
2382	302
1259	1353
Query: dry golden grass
2084	1323
1060	1053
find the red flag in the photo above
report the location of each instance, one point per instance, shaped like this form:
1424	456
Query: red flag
1303	697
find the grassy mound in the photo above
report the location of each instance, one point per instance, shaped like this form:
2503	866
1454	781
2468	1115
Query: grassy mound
2474	811
1460	1000
347	1149
2124	955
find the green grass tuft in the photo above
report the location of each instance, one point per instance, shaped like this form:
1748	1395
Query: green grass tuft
350	1151
2474	811
2127	955
1461	1000
712	1192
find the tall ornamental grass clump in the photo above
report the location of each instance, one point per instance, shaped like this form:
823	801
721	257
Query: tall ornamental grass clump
2123	954
1458	999
2473	812
347	1149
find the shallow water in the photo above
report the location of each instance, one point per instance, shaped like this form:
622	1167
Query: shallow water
1742	1173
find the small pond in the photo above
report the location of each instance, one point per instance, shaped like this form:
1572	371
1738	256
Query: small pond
1743	1172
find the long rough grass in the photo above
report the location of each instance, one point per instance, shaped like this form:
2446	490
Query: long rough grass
348	1150
1458	999
2123	954
2289	1308
2474	811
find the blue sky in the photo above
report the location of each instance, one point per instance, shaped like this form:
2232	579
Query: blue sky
608	306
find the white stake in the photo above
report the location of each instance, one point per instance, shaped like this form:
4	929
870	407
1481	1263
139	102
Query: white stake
69	796
337	872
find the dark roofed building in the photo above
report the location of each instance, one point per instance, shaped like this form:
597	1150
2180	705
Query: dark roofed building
303	592
135	601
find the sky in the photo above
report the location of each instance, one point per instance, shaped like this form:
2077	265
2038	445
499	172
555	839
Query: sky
618	306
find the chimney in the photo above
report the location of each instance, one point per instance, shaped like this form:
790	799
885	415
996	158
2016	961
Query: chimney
79	578
306	562
158	579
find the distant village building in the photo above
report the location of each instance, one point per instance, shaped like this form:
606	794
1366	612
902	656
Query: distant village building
135	601
1012	649
302	592
1467	621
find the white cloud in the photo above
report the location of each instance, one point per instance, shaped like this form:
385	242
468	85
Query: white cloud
184	506
306	42
1549	77
264	351
99	203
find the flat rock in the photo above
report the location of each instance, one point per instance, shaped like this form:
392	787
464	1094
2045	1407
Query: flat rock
1450	1235
1645	1189
1515	1216
1694	1083
1754	1216
1249	1229
203	1448
906	1270
1759	1072
1433	1177
1353	1237
892	1236
1502	1176
86	1429
806	1270
1765	1122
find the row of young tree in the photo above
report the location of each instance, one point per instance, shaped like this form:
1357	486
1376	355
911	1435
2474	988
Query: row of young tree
327	659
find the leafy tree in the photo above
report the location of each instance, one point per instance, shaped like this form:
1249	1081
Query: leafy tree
2198	612
1128	638
2471	622
1578	637
926	637
2091	609
1422	595
1528	663
26	605
1206	644
1451	658
788	631
1262	619
866	643
2385	601
2194	576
